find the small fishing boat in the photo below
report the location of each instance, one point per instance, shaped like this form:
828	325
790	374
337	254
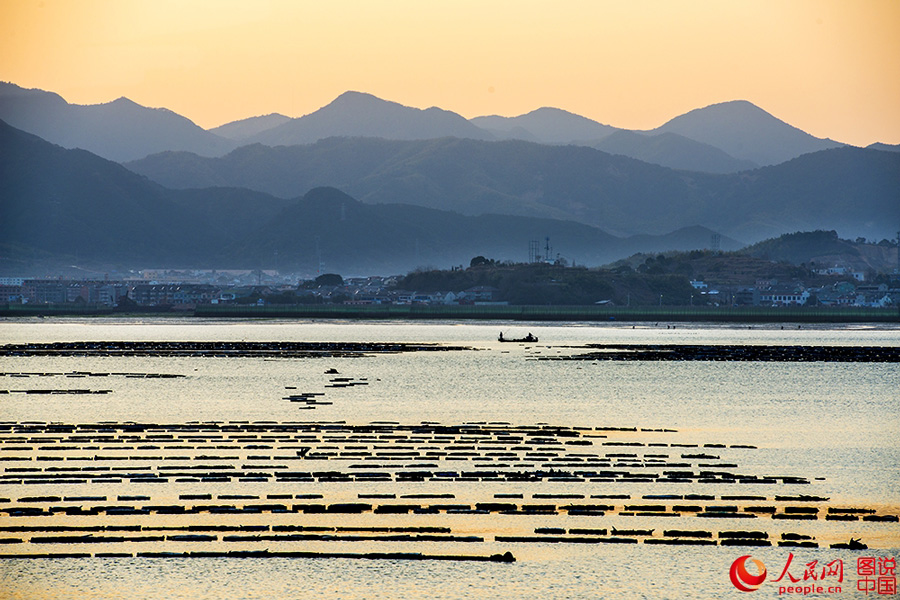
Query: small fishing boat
853	544
527	338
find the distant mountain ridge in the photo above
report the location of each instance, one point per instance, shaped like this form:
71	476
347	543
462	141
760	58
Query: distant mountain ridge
120	130
721	138
884	147
555	126
746	132
547	126
240	131
357	114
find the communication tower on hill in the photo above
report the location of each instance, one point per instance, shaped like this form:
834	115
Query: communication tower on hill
715	240
320	267
533	251
898	253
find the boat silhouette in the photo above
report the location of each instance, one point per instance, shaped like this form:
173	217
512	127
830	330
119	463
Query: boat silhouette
527	338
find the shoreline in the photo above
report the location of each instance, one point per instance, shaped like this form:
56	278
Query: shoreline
482	312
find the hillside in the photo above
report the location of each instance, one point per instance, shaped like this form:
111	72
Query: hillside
848	189
825	249
640	280
852	190
467	176
327	227
672	150
71	201
791	257
542	284
59	202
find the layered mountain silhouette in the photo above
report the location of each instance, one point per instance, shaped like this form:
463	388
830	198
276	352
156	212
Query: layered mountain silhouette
746	132
672	150
358	114
727	137
720	138
850	189
58	206
328	229
545	125
72	202
884	147
555	126
205	195
120	130
240	131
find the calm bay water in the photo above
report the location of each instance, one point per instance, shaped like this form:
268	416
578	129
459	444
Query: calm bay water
836	424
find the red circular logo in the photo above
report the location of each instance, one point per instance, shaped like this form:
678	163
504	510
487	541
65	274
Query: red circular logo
742	579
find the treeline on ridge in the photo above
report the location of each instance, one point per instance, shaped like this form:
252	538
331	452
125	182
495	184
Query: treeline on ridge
542	283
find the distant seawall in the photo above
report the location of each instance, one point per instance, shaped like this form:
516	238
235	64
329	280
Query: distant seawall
560	313
754	314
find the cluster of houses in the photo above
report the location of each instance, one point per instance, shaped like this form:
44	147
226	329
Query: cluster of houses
383	290
17	290
474	295
773	293
368	290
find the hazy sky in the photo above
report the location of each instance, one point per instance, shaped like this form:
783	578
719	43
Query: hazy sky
830	67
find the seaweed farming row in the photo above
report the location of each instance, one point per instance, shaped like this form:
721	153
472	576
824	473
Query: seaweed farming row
220	349
707	352
315	489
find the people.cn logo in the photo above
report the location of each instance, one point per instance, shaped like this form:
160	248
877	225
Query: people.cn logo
742	579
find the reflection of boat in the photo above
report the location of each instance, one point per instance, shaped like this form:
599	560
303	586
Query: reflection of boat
527	338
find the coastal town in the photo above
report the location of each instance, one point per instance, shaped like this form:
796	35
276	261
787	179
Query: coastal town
185	290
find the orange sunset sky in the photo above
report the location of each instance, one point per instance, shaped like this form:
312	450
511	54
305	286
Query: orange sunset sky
829	67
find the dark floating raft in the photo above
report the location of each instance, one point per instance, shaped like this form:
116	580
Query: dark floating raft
666	352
